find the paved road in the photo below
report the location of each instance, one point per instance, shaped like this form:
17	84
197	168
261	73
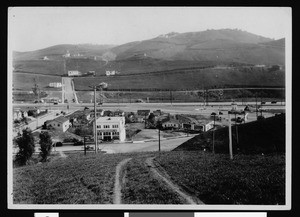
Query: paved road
68	89
110	148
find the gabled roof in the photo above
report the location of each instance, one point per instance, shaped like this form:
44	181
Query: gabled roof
61	119
143	112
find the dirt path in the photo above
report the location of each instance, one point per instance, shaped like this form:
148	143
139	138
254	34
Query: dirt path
118	185
160	173
62	154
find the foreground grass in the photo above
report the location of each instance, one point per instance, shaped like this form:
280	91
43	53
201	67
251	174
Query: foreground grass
214	179
74	180
141	187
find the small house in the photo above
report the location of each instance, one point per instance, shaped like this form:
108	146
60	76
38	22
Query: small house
59	123
171	123
74	73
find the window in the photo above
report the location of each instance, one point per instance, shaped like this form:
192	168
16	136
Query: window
106	126
115	126
58	125
98	126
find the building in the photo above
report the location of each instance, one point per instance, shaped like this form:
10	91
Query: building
109	73
111	128
55	84
17	115
171	123
59	123
157	112
204	125
74	73
45	58
67	54
118	113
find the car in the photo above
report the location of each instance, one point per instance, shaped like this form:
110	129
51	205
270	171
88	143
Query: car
263	103
55	103
86	108
220	113
273	102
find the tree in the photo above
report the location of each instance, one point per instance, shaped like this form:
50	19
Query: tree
26	146
46	145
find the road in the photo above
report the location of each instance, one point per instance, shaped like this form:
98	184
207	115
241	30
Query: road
68	90
110	148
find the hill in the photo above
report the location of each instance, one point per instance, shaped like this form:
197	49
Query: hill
56	52
211	45
265	136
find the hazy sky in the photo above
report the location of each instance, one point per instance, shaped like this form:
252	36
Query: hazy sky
36	28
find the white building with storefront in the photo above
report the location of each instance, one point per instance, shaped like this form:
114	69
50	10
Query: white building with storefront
111	128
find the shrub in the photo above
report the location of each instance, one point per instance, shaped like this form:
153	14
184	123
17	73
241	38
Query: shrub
46	145
58	144
26	146
78	143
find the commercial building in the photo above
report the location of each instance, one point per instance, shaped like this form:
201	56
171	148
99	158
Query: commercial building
111	128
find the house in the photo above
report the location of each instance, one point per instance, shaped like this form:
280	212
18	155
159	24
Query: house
203	125
118	113
55	84
109	73
234	106
17	115
74	73
144	113
45	58
107	113
111	128
171	123
157	112
59	123
25	114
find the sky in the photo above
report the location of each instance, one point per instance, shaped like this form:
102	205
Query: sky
33	28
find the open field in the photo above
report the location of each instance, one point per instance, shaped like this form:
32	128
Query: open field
214	179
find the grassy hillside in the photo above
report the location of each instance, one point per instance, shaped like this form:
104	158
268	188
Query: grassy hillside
56	52
214	179
265	136
188	79
212	45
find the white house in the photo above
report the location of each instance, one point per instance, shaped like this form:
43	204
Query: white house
74	73
17	115
108	73
111	128
55	84
204	125
45	58
171	124
67	54
59	123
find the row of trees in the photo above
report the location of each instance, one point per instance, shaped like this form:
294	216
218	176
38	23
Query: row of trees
26	146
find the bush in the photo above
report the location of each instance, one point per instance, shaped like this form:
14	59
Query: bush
26	146
46	145
78	143
59	144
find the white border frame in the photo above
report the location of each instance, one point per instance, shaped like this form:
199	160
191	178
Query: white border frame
288	83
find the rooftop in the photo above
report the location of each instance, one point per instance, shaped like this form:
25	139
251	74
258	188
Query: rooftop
112	119
61	119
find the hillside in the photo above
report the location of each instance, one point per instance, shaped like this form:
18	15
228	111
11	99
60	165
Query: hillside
211	45
56	52
265	136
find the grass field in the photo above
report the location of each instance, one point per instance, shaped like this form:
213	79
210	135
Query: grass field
75	180
247	179
141	187
214	179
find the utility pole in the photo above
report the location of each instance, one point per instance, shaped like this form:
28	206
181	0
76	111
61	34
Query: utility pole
256	105
95	124
230	137
159	139
214	134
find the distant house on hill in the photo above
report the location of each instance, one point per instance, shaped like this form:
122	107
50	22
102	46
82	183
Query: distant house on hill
45	58
55	84
59	123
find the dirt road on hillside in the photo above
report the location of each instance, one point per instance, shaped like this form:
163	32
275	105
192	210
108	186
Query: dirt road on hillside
118	181
161	174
